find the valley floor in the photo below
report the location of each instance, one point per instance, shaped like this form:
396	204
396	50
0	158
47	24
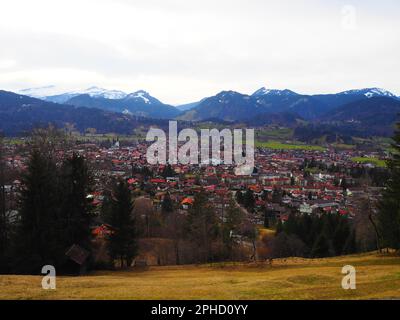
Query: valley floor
378	277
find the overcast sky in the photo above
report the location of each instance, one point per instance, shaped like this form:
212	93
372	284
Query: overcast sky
183	50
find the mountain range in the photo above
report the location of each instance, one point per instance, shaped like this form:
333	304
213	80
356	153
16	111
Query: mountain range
139	103
234	106
372	109
19	114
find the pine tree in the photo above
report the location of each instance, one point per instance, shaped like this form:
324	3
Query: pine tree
122	242
341	236
75	209
389	207
350	245
321	246
307	222
39	229
291	225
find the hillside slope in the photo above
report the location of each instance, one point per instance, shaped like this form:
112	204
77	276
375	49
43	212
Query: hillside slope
378	277
376	115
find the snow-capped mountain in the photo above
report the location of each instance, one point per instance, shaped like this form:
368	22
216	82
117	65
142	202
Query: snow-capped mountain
264	91
274	100
21	113
143	97
55	94
94	92
139	103
40	92
227	105
102	93
370	92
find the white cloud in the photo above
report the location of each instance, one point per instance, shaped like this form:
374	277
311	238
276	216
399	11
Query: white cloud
7	63
183	50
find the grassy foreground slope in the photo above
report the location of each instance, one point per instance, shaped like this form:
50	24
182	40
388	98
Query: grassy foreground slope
378	277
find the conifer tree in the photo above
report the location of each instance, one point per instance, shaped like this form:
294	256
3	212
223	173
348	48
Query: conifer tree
321	247
38	232
291	225
341	236
350	245
389	206
75	209
122	243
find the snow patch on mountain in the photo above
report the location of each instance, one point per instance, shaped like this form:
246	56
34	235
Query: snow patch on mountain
51	91
102	93
39	92
142	95
370	92
263	91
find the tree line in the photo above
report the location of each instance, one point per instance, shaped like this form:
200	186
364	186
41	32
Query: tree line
389	206
55	213
314	236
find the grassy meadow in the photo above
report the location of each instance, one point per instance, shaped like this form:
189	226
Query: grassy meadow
378	277
377	162
276	145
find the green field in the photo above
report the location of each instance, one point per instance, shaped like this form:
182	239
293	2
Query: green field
274	133
378	277
344	146
276	145
374	161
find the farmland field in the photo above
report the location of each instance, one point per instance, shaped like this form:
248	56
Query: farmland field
378	277
275	145
377	162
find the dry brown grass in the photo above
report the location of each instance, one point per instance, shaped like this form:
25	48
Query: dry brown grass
378	277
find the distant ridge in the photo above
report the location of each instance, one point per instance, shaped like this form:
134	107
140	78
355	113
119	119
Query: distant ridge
19	114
